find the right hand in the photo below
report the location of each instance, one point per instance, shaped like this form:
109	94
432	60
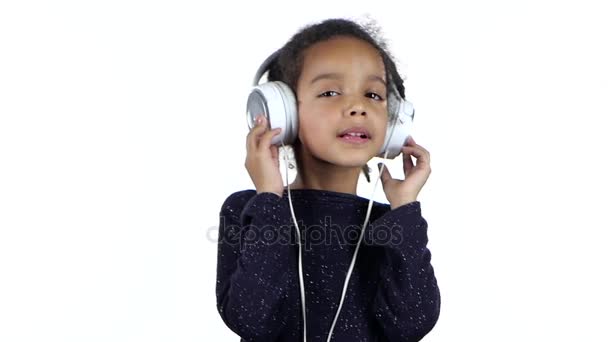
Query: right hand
262	162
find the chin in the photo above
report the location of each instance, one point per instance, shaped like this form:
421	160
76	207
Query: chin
353	161
345	157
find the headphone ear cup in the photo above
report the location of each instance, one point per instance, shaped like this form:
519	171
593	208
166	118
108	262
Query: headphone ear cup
277	102
403	123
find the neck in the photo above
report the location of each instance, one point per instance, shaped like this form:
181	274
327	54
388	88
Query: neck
329	178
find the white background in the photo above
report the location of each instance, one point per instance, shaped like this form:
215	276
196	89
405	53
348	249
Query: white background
122	131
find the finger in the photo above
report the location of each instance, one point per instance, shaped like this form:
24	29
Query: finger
411	142
425	151
408	164
265	139
415	151
254	134
274	152
385	174
421	155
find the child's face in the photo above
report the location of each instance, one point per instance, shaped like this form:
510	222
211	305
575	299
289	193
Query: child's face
352	93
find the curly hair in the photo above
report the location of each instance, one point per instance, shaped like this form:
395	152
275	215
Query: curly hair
287	66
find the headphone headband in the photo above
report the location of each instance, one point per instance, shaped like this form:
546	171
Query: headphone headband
264	67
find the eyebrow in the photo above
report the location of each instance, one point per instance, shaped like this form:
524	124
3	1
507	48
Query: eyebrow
336	76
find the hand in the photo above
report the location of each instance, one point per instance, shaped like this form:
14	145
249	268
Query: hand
262	162
399	192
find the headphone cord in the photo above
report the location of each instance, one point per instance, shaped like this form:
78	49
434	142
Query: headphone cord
293	216
352	263
354	259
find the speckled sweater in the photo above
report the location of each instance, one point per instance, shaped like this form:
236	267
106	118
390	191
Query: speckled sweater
392	294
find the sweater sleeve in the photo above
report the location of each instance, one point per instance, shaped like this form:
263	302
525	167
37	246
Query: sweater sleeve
407	300
252	268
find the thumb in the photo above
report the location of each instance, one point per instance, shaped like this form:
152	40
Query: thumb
385	175
274	151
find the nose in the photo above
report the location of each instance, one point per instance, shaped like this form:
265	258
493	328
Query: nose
356	107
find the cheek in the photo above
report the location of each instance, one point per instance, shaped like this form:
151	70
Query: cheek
312	129
313	120
381	129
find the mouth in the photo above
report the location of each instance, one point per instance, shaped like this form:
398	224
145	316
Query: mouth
355	135
358	131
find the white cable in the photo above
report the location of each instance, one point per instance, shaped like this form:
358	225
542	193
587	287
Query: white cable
300	275
352	263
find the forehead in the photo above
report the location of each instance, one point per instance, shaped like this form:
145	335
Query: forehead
342	55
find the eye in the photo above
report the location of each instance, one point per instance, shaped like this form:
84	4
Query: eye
329	93
375	96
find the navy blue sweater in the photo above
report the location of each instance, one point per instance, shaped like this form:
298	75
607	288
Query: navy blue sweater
392	294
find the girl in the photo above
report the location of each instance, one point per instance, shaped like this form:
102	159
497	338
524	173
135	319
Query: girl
340	75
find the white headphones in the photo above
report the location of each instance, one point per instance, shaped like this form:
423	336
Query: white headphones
277	102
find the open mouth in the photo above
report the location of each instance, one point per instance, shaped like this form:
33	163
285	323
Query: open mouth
355	137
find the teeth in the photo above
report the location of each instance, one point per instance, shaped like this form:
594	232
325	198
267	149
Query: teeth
355	134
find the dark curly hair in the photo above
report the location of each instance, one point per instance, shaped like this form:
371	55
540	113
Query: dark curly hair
287	66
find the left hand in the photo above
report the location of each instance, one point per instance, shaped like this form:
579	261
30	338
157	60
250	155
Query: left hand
400	192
